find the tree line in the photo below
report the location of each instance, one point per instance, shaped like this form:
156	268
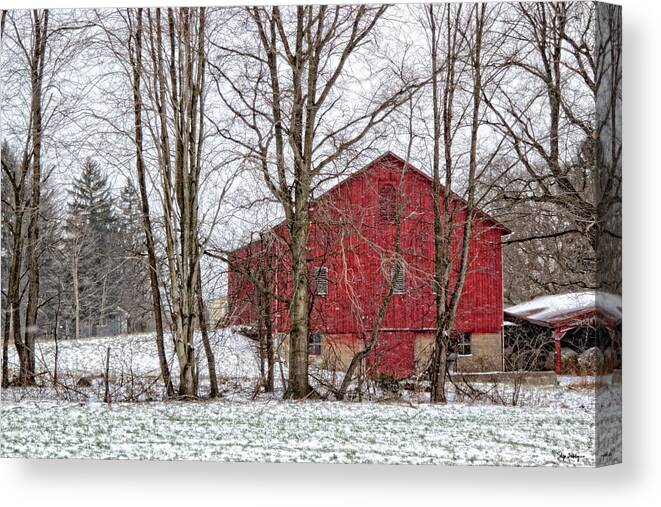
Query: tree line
91	262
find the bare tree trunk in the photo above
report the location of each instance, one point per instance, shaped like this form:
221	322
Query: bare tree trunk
211	359
177	253
298	386
11	313
76	292
6	330
447	293
13	321
106	395
442	119
6	334
268	339
261	298
102	306
37	69
157	311
180	166
439	353
55	335
3	18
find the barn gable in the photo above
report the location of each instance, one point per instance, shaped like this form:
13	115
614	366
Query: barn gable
388	167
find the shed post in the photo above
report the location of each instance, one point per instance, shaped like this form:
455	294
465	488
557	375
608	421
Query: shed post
615	349
557	337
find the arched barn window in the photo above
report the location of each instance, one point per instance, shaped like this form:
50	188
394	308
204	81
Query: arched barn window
387	203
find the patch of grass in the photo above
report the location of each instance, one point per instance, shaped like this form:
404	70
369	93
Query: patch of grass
587	383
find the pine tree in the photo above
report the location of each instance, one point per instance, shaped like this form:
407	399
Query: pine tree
134	275
91	198
129	220
92	231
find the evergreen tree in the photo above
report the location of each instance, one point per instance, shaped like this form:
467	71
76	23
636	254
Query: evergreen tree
91	198
134	296
92	231
51	270
129	220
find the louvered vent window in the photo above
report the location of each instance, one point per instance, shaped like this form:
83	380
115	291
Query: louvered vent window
387	203
398	280
320	277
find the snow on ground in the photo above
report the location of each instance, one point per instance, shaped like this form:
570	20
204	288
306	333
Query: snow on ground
236	355
552	424
134	369
310	432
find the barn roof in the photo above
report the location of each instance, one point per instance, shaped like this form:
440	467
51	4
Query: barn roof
382	158
390	155
555	310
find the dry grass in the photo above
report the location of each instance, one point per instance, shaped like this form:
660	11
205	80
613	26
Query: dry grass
588	383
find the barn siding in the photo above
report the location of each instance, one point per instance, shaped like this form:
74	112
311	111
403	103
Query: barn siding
355	270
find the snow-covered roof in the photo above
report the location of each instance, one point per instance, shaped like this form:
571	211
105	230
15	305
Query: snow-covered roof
553	309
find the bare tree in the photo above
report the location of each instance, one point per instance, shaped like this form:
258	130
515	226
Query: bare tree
552	128
461	59
392	264
44	50
15	179
206	342
135	58
299	134
264	275
35	54
177	49
255	267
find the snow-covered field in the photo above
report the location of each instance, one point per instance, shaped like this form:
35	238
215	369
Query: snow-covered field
310	431
236	355
551	426
134	366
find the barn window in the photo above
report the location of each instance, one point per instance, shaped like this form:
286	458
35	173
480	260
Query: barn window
398	285
387	203
320	278
462	344
314	343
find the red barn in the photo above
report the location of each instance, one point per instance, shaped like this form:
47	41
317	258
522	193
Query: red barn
351	246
